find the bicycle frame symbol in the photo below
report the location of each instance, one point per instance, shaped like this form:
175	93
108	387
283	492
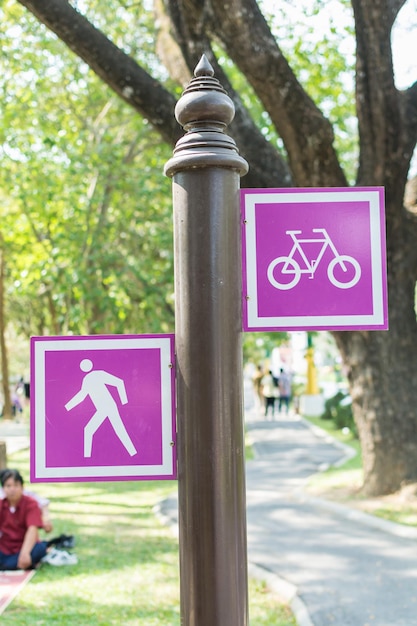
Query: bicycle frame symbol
284	266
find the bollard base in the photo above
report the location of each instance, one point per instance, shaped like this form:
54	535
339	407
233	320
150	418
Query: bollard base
312	405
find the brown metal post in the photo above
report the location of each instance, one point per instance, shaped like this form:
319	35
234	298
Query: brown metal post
206	168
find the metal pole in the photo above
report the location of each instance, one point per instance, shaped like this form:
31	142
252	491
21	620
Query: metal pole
206	168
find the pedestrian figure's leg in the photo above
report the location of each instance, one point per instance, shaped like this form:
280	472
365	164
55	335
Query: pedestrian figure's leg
121	432
89	430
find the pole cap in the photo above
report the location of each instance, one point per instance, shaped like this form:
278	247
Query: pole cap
204	111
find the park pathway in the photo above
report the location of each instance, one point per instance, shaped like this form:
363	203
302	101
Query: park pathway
335	565
348	568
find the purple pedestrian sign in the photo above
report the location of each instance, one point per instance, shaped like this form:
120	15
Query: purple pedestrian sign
102	408
314	259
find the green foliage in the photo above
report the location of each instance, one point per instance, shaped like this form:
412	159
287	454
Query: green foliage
257	347
319	42
89	210
339	409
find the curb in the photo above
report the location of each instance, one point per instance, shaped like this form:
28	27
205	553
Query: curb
343	510
349	452
392	528
287	592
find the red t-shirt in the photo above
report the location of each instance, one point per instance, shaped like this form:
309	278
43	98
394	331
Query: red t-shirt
14	523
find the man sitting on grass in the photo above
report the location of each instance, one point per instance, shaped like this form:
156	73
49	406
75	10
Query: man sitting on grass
42	502
20	518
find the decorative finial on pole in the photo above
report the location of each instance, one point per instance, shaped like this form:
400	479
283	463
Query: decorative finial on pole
203	67
204	111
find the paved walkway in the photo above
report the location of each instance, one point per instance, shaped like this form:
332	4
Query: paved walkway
348	568
336	566
15	434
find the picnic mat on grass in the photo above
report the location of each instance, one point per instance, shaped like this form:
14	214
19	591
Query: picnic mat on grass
11	582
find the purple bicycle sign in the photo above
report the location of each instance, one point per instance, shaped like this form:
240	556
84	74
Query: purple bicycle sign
314	259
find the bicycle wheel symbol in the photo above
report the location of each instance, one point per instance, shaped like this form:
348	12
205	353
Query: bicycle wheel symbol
277	275
341	264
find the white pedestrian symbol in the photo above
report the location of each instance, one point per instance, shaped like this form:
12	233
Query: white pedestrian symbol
95	385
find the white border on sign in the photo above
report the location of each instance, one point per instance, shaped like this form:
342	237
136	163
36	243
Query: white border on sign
372	197
109	471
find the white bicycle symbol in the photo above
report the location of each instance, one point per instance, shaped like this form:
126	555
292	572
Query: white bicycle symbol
292	267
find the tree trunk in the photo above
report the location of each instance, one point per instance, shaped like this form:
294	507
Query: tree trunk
383	386
7	406
382	372
3	455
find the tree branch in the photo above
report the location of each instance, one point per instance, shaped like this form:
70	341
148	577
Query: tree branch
147	96
408	101
131	82
394	7
307	134
383	127
267	168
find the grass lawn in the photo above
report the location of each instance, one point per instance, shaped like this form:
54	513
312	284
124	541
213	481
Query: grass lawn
349	475
343	484
127	573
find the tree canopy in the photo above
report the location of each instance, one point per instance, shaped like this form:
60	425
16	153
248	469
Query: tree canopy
84	173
